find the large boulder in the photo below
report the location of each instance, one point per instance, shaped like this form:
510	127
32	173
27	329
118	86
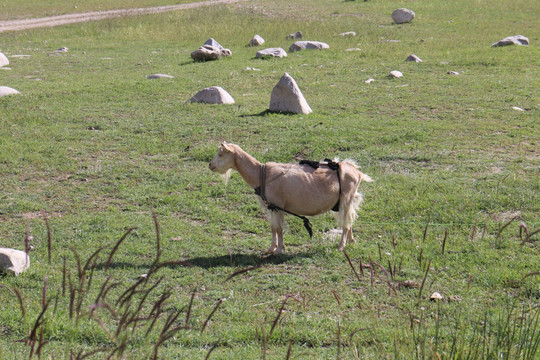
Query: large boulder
3	60
401	16
13	261
256	41
211	50
271	52
6	90
212	95
512	40
287	97
301	45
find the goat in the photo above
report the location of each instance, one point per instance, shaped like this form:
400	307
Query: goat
296	189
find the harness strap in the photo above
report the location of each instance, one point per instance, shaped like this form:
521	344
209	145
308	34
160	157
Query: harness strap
260	191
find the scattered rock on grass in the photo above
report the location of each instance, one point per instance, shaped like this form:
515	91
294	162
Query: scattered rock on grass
414	58
348	33
354	49
369	81
212	95
256	41
301	45
517	108
250	69
211	50
13	261
271	52
395	74
512	40
62	49
159	76
453	73
5	90
3	60
296	35
435	297
287	97
402	16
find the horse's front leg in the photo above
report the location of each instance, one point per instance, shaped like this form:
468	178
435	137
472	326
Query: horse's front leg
276	225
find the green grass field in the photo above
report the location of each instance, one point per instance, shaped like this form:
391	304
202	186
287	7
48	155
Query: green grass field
109	158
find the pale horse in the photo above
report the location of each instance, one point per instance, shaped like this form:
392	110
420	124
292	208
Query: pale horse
298	189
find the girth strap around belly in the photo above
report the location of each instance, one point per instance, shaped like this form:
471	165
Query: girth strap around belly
261	192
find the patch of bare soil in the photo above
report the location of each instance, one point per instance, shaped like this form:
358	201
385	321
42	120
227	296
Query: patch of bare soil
15	25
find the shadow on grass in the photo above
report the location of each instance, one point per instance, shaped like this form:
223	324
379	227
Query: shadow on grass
243	260
268	112
233	260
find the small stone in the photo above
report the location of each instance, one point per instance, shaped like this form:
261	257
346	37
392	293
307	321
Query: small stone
160	76
455	298
512	40
3	60
414	58
256	41
348	33
435	297
411	284
271	52
301	45
453	73
287	97
13	261
296	35
395	74
213	95
517	108
5	90
250	69
401	16
354	49
62	49
369	81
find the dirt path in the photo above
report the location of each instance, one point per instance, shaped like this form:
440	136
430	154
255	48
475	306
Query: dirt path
14	25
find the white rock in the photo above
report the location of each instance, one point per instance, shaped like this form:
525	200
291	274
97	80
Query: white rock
13	261
62	49
354	49
395	74
369	81
348	33
271	52
3	60
256	41
160	76
512	40
208	52
401	16
453	73
301	45
250	69
414	58
287	97
213	43
296	35
211	50
212	95
5	90
517	108
435	297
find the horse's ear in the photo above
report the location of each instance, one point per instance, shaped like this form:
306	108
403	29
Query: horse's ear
226	146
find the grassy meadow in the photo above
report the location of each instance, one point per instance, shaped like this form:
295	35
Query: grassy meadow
105	173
